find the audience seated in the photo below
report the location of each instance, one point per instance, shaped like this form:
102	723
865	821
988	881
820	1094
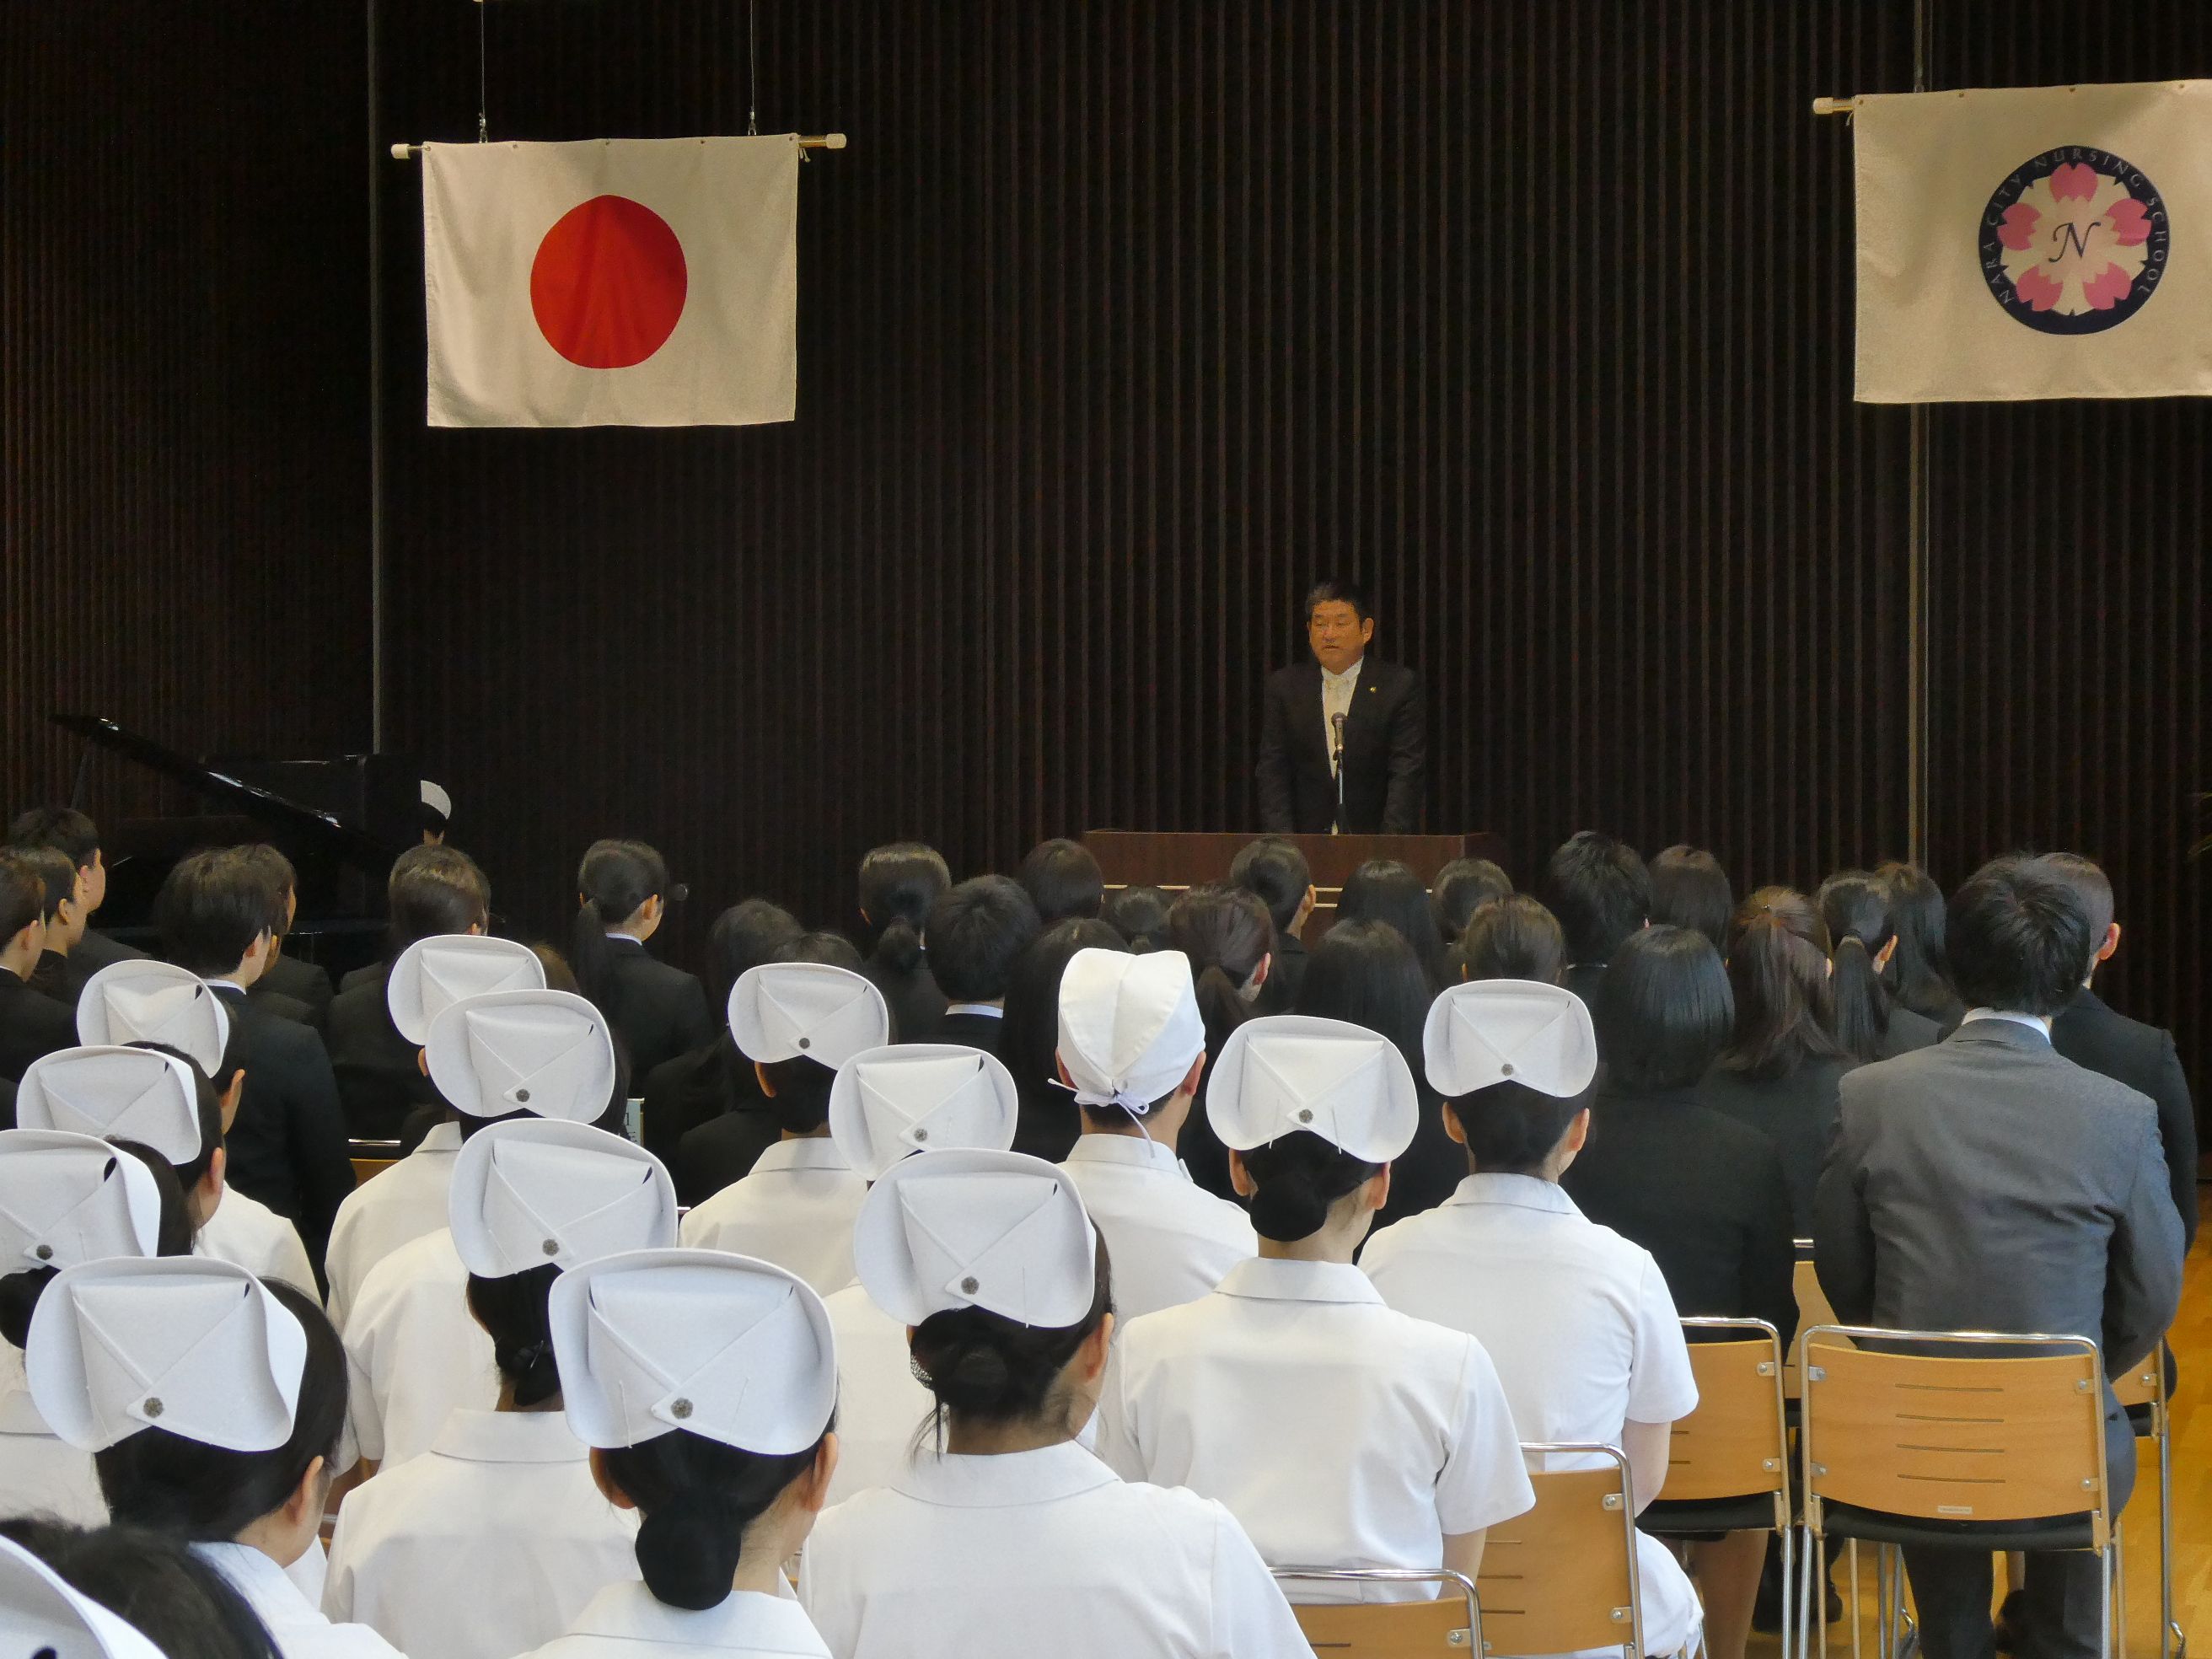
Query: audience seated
74	834
1226	935
1919	974
1601	893
1690	889
31	1024
658	1011
898	883
1273	870
1385	891
1030	1035
62	910
1870	1022
1513	938
976	930
1462	887
304	982
1140	915
1062	880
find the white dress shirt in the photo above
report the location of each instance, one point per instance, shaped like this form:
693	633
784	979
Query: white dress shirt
1336	691
1341	1433
40	1473
880	1405
298	1628
248	1234
1170	1240
390	1209
795	1209
1035	1553
1577	1320
624	1622
492	1541
417	1352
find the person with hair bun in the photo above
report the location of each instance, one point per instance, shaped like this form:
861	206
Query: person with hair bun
1140	915
706	1386
898	883
660	1011
1009	1539
1868	1020
496	1537
1341	1433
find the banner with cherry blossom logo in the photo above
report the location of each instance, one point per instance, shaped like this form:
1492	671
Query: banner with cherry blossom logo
2035	242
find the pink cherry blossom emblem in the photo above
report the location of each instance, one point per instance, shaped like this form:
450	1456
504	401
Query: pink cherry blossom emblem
2075	242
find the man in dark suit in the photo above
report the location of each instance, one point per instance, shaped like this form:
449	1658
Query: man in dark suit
64	917
975	930
31	1024
1600	891
1275	873
305	983
1343	711
68	830
1955	1165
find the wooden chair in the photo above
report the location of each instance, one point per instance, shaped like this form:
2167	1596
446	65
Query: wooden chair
1813	1310
1563	1576
1973	1440
2142	1390
372	1157
1451	1625
1728	1461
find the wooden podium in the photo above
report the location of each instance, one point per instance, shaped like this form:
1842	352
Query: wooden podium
1139	858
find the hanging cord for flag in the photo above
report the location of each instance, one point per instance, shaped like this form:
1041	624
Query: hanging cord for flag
806	141
483	125
752	73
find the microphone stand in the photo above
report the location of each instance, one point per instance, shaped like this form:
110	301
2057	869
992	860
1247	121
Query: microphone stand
1336	730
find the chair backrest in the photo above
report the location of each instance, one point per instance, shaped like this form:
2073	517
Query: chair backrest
365	1169
2142	1383
1949	1433
1813	1310
1563	1576
1735	1444
1449	1626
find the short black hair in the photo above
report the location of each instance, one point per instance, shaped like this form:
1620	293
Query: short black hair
278	877
1513	938
1664	1009
23	893
1462	887
62	828
1140	915
1690	888
976	929
211	908
2093	890
1335	590
56	874
1273	868
1062	880
1601	892
802	1083
434	890
747	934
2017	939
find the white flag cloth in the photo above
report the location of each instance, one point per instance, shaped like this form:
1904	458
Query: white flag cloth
614	282
2035	242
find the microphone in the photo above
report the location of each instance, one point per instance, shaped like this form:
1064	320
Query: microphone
1336	741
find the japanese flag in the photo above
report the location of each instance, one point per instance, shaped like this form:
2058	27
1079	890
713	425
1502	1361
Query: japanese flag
612	283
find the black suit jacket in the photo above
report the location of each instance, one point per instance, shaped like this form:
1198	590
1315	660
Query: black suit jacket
659	1012
692	1090
288	1147
2091	1033
379	1081
1386	753
971	1031
96	951
714	1155
32	1023
1796	1111
354	977
1284	975
305	982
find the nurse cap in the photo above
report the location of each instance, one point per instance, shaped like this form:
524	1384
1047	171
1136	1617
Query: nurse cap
143	1001
548	1052
1289	1073
920	1097
433	974
533	1191
737	1350
1129	1026
123	1094
188	1344
995	1231
69	1198
791	1010
1510	1030
43	1615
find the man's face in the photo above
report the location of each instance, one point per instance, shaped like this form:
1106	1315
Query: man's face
1338	635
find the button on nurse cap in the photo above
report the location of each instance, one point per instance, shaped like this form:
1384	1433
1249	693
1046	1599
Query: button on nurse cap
433	974
187	1344
995	1231
723	1345
39	1615
1509	1030
1129	1026
152	1002
532	1191
123	1094
69	1198
920	1097
1342	1082
786	1010
544	1052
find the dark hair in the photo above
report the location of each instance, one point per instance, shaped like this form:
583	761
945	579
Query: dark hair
1854	906
1364	972
1690	889
1778	969
1464	886
1297	1179
1029	1036
984	1367
800	1102
1226	934
211	908
1664	1009
1334	590
1511	1128
207	1104
1514	938
434	890
1385	891
975	930
2017	938
23	893
1273	868
1063	879
743	937
512	1310
614	880
279	879
62	828
181	1604
205	1494
699	1497
1601	892
172	1236
57	877
2093	890
1920	971
1140	915
898	883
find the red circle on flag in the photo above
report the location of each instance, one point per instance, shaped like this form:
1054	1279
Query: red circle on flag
608	283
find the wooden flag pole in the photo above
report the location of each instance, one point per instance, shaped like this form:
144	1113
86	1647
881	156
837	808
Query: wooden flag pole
1834	105
818	140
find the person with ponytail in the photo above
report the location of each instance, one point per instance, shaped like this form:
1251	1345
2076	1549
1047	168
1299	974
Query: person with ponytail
659	1012
213	1404
496	1537
1341	1434
1869	1022
1004	1538
1919	975
1229	940
898	883
1030	1033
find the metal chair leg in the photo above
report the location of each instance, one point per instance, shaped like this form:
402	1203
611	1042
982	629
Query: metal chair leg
1816	1575
1851	1556
1789	1589
2169	1632
2105	1610
2120	1592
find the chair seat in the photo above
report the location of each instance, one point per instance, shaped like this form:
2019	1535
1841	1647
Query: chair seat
2064	1532
1663	1519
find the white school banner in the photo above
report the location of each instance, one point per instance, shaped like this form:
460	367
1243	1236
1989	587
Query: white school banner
612	283
2035	242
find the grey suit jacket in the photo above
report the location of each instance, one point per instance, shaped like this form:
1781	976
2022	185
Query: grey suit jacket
1988	1183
